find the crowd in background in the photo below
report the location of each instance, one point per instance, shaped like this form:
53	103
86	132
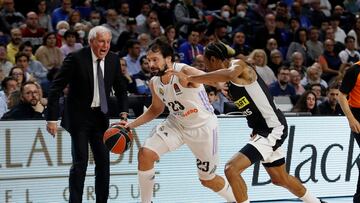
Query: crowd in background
300	48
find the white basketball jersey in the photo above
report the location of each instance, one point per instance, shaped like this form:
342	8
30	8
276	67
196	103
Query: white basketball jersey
190	107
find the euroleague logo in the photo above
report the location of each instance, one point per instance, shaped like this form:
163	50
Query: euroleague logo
177	89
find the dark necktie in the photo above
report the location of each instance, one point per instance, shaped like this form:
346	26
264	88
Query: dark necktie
102	95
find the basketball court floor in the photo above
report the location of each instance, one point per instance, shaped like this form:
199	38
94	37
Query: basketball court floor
328	200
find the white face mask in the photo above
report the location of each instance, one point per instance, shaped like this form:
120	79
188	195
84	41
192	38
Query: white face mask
225	14
61	32
95	21
81	33
241	14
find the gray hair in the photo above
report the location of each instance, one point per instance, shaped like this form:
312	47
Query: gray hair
97	30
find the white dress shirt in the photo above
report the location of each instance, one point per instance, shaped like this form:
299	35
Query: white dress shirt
96	99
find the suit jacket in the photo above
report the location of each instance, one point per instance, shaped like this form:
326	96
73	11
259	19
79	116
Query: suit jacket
77	71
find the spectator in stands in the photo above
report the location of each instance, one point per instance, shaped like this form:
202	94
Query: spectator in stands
319	91
299	15
94	19
61	13
276	61
131	87
143	77
338	32
49	54
242	50
170	36
316	14
313	76
155	30
26	109
74	17
271	44
129	34
44	17
212	94
8	85
355	32
123	11
81	29
268	31
294	25
282	86
70	45
347	19
329	61
262	9
144	11
299	45
297	63
18	74
242	22
259	59
186	15
325	7
145	27
191	48
36	69
14	18
13	99
144	40
331	105
307	103
61	27
22	60
330	34
350	55
32	32
199	62
13	47
295	79
133	57
113	24
315	47
5	65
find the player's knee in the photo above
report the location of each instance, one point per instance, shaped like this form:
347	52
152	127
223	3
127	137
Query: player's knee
230	171
146	156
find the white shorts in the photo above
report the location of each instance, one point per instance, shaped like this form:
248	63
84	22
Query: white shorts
202	141
264	146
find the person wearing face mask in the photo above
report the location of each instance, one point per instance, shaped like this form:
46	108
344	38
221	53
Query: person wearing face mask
94	19
241	22
61	27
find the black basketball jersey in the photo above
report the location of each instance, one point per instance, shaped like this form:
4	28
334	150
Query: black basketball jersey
255	102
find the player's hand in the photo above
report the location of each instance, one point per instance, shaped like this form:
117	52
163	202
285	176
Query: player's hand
354	125
179	74
51	127
121	122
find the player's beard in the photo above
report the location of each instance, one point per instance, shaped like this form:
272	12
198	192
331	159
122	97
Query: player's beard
162	72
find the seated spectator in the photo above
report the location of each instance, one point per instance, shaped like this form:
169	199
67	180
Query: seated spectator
297	63
319	92
216	98
330	62
49	54
199	62
313	76
133	57
61	13
13	99
350	55
70	44
8	85
355	32
191	48
13	46
22	60
14	18
276	60
61	27
142	78
26	109
44	17
282	87
36	69
258	57
125	71
5	65
307	103
295	79
315	47
242	50
33	32
299	45
81	29
331	105
18	74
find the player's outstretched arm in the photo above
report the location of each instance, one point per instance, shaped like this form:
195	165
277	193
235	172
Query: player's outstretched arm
154	110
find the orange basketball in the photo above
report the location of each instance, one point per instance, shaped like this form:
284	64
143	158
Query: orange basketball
118	139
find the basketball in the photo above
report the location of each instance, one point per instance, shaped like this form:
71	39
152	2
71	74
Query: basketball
118	139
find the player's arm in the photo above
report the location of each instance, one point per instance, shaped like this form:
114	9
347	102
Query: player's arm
154	110
353	122
222	75
189	70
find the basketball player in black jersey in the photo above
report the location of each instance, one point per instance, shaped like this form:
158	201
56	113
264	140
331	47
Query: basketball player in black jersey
269	128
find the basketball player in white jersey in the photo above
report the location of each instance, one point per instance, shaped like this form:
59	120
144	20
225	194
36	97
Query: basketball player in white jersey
252	98
191	121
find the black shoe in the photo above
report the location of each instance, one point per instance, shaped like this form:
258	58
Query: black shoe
322	201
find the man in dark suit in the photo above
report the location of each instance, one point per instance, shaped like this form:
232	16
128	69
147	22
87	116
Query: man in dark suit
86	109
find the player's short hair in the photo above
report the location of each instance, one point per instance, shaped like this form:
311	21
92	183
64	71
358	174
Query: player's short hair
164	48
218	50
